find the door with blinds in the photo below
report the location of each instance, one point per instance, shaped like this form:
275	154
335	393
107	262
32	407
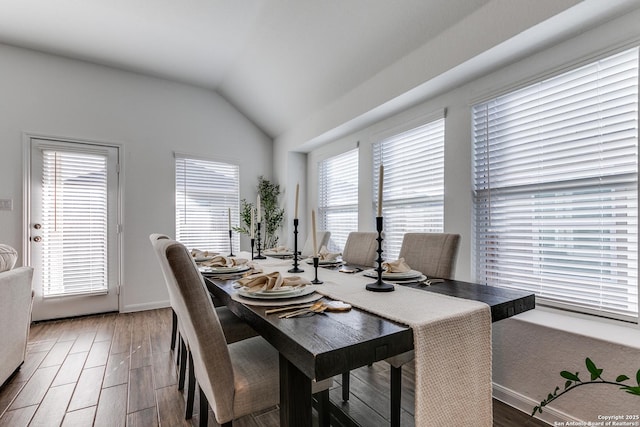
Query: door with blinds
73	228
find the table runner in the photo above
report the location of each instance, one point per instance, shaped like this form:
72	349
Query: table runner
452	341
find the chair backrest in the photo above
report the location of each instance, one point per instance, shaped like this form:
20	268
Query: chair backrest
360	248
433	254
322	238
154	237
193	305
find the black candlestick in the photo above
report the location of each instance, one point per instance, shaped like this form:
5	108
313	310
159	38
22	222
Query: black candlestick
253	242
379	285
230	244
295	268
315	266
259	256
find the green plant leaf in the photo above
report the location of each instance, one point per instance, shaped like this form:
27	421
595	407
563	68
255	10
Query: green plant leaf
631	390
593	370
621	378
555	392
568	375
568	384
638	377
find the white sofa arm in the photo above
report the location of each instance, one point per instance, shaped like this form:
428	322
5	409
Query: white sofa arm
15	318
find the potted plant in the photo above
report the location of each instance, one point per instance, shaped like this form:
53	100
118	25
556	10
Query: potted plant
272	214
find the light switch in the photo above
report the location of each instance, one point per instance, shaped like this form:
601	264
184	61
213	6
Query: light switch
6	204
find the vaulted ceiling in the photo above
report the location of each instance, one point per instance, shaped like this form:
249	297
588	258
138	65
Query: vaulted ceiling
277	61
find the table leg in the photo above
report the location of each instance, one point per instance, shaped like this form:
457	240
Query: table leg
295	396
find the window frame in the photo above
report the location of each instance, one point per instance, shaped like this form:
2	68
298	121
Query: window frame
219	232
558	73
338	235
393	238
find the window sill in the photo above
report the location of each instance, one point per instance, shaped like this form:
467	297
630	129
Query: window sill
616	332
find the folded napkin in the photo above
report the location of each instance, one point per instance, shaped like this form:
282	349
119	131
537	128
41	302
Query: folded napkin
218	261
325	255
271	281
197	253
398	266
278	249
239	261
255	268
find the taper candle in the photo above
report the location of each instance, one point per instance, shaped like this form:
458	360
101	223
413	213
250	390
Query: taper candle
295	215
258	208
229	218
380	180
253	213
313	233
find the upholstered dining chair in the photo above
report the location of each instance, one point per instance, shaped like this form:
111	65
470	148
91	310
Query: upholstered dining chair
360	248
434	255
233	327
322	239
236	379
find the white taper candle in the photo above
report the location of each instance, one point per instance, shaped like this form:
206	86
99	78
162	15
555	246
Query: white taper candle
380	181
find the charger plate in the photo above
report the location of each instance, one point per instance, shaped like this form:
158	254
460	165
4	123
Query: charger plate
294	293
224	270
276	302
324	261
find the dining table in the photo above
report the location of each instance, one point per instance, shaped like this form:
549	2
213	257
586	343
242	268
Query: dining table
321	346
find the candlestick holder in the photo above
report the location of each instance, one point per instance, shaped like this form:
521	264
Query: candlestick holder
295	268
379	285
230	244
253	242
316	261
259	256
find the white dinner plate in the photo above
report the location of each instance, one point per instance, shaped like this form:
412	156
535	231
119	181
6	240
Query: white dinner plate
225	270
301	291
280	291
405	275
202	258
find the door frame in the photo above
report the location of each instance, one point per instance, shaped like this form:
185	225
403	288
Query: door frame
26	197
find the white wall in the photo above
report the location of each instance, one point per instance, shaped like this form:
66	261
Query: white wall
150	117
529	350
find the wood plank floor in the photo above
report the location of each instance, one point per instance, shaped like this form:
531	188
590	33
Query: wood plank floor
118	370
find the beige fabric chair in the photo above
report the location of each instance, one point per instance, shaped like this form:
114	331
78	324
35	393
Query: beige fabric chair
322	239
432	254
16	298
235	379
360	248
234	328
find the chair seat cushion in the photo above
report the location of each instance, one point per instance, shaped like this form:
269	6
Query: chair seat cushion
255	372
256	376
400	359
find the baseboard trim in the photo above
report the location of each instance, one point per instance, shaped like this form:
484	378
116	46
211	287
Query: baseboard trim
146	306
526	404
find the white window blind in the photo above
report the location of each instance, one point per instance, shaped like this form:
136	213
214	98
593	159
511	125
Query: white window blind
338	194
413	193
556	188
74	223
205	191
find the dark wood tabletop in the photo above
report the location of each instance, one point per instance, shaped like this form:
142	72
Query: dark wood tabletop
322	346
